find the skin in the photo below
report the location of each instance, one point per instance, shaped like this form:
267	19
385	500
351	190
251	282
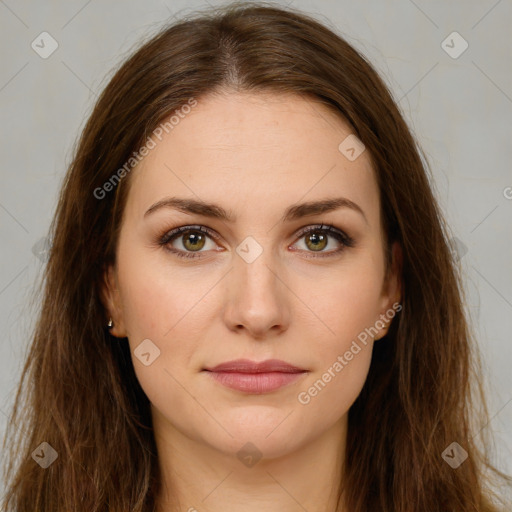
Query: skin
254	155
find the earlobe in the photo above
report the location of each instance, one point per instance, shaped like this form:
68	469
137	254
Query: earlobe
109	295
395	278
392	289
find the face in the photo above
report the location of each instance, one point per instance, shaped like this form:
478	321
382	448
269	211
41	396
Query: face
255	285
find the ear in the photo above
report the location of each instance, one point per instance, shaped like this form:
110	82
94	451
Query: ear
109	294
391	290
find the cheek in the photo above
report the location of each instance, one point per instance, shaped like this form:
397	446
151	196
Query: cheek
166	310
343	301
346	306
156	297
331	391
167	306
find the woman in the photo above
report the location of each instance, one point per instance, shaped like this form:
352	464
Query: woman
250	302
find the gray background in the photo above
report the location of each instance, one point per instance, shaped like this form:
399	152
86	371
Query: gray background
458	108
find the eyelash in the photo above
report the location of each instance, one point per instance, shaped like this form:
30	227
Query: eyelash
339	235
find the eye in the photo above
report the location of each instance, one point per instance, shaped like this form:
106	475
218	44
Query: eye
317	238
192	240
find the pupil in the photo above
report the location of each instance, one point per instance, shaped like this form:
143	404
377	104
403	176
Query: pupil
317	240
193	239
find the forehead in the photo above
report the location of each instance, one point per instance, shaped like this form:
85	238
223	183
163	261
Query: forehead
254	151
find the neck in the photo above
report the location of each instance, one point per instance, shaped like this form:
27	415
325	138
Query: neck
196	477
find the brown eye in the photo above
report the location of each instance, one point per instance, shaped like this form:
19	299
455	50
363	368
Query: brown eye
317	238
316	241
193	240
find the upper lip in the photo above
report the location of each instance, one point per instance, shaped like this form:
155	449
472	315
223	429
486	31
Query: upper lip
248	366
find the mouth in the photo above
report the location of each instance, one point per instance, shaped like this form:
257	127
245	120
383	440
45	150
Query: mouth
253	377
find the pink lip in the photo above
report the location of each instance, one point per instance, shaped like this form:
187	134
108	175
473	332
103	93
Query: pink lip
247	366
252	377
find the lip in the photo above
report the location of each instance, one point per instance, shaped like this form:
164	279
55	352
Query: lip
248	366
255	377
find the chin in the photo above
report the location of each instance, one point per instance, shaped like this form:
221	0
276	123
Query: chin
269	435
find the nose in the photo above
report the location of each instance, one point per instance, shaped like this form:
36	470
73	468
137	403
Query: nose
257	297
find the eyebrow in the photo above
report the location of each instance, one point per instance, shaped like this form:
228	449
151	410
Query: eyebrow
294	212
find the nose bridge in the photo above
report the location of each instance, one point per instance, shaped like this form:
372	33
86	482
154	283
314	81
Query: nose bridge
254	268
256	292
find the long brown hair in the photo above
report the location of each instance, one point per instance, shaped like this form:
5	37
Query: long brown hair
78	391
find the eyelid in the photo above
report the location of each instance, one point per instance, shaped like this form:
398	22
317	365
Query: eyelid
340	235
183	229
330	229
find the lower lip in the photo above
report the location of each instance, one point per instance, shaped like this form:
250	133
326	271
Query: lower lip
256	383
